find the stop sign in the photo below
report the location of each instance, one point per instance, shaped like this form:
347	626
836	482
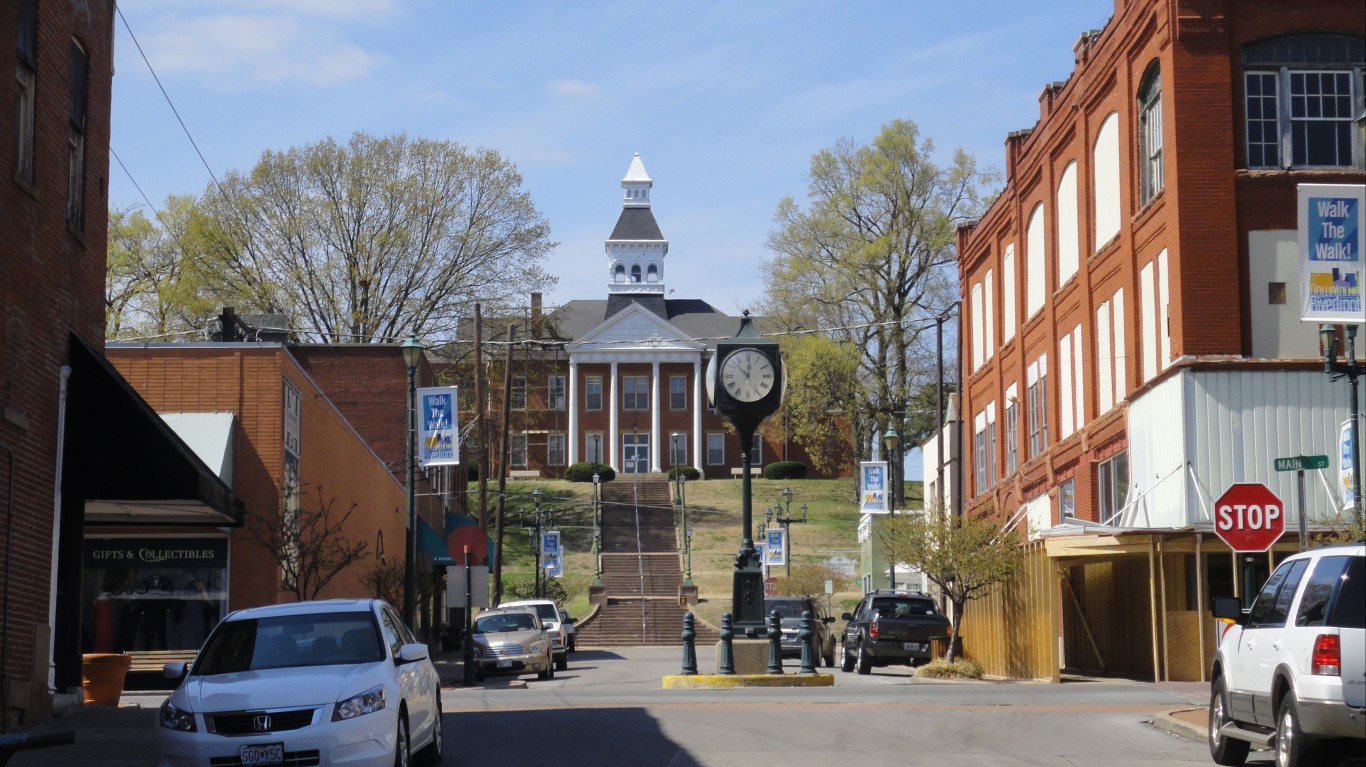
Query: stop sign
1249	517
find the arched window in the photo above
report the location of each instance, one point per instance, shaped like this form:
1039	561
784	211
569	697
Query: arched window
1150	134
1106	167
652	273
619	274
635	273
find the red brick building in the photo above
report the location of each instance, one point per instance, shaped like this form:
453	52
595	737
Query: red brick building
1132	335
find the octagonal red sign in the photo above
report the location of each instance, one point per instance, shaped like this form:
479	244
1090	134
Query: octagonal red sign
1249	517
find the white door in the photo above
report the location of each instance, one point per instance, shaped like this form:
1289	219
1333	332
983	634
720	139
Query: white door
635	453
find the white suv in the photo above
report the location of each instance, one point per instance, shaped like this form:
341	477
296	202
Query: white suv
549	613
1290	673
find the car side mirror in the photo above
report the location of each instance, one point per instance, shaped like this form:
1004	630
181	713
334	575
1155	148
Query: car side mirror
175	669
1228	608
571	621
412	652
846	616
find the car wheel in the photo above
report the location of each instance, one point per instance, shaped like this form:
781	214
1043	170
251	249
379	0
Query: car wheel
545	673
572	647
432	753
402	757
830	656
865	661
1222	749
846	660
1293	747
562	662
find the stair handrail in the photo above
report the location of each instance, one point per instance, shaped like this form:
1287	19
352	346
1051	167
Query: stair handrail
640	559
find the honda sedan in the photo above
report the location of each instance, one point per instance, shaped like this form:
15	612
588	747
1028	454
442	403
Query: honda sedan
338	682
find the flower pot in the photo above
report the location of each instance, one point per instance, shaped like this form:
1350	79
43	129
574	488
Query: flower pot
102	677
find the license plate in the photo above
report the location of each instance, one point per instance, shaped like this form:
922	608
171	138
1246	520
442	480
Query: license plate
504	664
271	753
912	646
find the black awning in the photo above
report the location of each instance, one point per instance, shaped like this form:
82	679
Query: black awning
126	463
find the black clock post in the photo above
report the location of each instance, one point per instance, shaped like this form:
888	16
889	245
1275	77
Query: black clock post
745	380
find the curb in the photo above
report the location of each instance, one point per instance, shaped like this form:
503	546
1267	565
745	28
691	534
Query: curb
729	681
1168	722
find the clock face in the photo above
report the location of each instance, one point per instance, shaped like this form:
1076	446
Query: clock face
747	375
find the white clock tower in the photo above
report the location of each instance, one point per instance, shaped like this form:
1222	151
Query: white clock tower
636	249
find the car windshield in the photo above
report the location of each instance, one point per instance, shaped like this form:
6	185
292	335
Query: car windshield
786	608
547	612
287	641
903	606
497	624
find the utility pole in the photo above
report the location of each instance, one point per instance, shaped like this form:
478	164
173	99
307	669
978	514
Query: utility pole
504	447
481	425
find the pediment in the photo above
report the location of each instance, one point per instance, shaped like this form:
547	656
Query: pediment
635	329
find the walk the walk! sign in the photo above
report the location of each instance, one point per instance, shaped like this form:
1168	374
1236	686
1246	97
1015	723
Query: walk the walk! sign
1331	240
438	436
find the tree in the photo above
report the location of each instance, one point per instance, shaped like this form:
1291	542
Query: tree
310	545
869	265
808	580
149	283
368	240
965	558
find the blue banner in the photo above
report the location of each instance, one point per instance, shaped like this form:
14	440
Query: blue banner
438	438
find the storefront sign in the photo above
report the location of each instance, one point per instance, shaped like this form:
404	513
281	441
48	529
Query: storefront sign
156	552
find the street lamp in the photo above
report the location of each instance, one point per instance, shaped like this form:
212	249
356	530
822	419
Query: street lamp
1351	370
412	354
597	534
597	449
786	519
687	531
890	441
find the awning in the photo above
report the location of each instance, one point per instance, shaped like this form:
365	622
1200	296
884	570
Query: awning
430	542
128	464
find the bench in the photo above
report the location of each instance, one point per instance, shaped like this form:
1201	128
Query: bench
754	471
524	474
14	742
153	661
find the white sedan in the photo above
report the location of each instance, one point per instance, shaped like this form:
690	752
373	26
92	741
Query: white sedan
338	682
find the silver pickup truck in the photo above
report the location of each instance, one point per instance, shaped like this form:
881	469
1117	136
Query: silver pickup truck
1290	673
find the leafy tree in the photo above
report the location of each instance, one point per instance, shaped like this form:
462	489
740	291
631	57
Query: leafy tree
310	544
808	580
367	240
965	558
524	588
149	285
384	580
869	263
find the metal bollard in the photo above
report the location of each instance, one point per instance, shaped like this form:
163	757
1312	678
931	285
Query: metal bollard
689	646
775	644
727	648
808	652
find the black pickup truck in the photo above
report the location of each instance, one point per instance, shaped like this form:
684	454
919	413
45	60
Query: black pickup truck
891	627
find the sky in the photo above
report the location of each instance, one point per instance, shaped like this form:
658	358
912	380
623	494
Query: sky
726	102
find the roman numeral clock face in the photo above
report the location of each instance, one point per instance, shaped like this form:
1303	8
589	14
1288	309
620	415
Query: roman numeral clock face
747	375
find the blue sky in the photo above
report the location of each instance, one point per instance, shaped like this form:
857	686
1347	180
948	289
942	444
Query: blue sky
725	101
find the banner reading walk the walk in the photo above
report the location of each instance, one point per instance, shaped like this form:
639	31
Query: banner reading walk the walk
438	435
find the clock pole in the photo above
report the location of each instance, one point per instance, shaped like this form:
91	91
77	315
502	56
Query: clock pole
747	585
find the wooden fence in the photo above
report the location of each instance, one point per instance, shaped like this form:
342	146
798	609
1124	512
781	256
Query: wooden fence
1011	631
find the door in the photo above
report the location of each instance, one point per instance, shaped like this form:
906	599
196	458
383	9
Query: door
635	453
1259	646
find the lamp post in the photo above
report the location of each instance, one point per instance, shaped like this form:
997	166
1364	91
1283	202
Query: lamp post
786	519
535	528
687	531
1350	370
597	449
597	534
890	441
412	354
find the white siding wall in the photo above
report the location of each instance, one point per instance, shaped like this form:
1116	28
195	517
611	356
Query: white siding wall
1068	233
1008	294
1277	332
1035	277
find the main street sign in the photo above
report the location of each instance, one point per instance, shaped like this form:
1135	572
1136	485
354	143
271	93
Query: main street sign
1301	462
1249	517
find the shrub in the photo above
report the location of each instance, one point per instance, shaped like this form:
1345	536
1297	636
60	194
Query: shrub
686	471
785	470
523	588
960	668
583	472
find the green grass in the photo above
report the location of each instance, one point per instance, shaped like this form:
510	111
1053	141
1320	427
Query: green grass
714	513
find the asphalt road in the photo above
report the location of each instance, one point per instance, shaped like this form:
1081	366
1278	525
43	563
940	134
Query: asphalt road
609	709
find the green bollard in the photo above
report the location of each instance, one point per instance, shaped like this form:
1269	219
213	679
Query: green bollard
727	648
775	644
689	648
808	652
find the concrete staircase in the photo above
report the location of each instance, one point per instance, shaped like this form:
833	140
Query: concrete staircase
641	572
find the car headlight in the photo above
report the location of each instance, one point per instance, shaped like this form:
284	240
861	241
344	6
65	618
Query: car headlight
173	718
368	702
537	648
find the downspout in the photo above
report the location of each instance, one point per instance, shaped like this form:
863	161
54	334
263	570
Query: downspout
9	565
62	389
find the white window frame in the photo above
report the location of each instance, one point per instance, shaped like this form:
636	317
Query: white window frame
1112	485
1036	256
1012	437
716	448
555	392
1105	167
678	392
1037	396
1069	232
592	400
1150	169
555	449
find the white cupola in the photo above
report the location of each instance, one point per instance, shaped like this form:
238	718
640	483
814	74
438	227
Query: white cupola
636	249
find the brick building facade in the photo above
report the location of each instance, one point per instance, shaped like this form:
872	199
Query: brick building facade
1131	332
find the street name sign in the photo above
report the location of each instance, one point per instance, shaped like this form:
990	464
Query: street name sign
1301	462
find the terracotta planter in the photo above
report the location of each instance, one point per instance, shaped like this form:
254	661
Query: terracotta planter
102	677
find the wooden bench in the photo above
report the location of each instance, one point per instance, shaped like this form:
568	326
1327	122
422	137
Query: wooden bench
14	742
153	661
754	471
524	474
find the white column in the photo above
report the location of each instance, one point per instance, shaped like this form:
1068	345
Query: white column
654	416
572	446
698	405
612	438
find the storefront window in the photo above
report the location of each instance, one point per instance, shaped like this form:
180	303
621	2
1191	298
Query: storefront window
152	593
